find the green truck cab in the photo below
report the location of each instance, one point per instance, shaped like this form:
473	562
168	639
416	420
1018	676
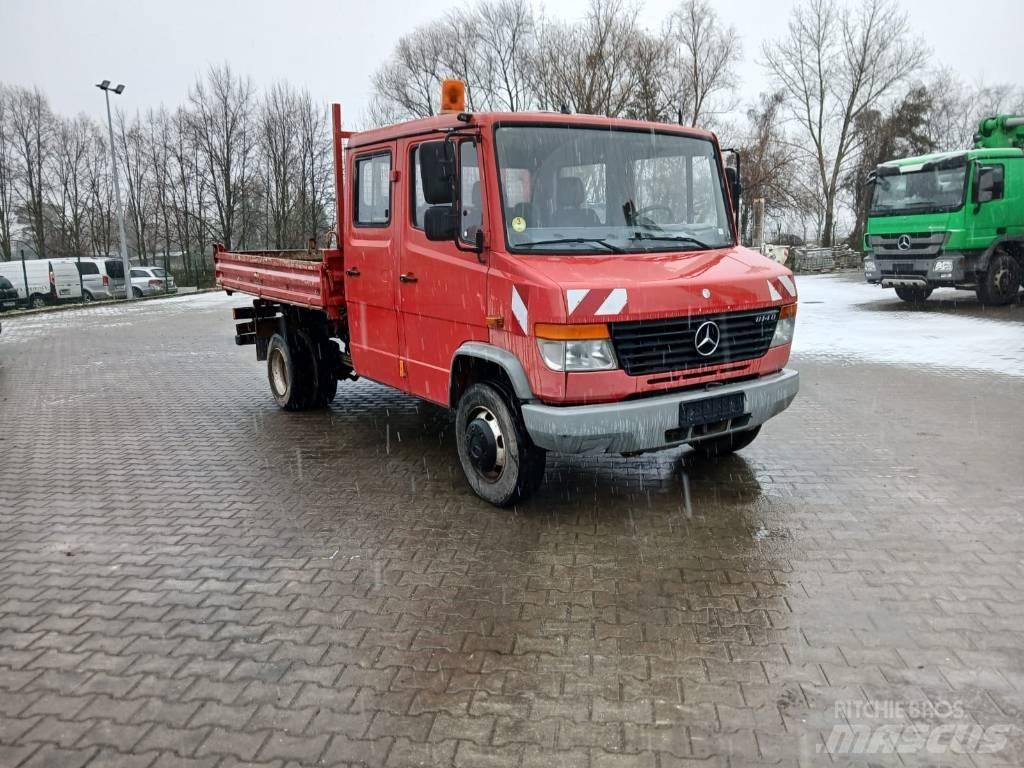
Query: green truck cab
951	220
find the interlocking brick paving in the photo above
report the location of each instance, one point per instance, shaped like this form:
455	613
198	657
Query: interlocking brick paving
190	577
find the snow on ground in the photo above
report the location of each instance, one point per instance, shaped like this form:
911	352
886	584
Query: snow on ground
846	320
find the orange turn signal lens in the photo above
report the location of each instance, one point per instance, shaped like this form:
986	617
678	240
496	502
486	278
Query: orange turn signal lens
554	332
787	311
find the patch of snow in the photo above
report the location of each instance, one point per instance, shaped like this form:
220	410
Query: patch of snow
841	319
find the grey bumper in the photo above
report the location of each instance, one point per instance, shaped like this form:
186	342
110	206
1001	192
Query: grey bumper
653	422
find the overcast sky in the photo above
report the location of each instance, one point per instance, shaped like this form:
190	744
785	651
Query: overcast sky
333	46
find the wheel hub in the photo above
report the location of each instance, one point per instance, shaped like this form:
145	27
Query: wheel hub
485	444
278	373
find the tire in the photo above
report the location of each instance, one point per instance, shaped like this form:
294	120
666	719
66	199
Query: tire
500	462
323	361
87	297
37	301
137	293
290	378
716	447
1001	281
913	294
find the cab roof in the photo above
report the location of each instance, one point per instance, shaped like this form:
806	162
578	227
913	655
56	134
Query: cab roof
441	123
952	157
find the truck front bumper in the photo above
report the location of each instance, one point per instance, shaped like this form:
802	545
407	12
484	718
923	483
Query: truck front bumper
653	423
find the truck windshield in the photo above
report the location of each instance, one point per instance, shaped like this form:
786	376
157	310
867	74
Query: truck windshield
594	190
928	190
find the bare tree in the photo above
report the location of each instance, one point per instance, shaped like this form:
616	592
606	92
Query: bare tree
708	57
834	64
655	62
506	40
7	174
279	150
315	198
587	67
222	107
31	130
68	190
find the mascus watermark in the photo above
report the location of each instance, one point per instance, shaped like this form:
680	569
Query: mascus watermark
959	738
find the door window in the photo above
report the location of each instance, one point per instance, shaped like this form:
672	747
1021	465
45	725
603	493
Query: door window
471	194
373	190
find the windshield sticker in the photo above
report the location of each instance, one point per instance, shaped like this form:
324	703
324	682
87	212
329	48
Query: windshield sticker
519	224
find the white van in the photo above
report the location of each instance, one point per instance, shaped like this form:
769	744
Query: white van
43	281
102	278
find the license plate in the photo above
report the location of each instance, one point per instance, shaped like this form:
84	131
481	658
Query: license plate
698	412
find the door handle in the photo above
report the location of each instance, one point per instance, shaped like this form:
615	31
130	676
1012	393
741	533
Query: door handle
408	277
352	272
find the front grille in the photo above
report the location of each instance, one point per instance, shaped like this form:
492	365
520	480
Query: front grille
918	244
657	346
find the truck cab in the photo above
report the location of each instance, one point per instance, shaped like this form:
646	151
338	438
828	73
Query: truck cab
951	220
564	283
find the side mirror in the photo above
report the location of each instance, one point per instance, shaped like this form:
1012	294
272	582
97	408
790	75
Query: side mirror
735	187
437	172
441	222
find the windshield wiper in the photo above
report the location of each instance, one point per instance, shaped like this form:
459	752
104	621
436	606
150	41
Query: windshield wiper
670	238
573	240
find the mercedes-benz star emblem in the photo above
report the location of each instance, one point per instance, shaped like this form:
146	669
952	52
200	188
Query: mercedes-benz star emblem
706	338
903	242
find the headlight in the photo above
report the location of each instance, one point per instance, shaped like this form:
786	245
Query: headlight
869	266
576	347
592	355
943	265
785	326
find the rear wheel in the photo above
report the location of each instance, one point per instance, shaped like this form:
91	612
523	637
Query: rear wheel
500	462
716	447
137	293
1001	281
290	381
37	301
87	297
913	294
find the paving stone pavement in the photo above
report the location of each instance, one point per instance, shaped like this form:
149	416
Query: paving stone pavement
190	577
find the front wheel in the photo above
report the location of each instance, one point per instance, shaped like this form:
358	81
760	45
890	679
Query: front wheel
913	294
716	447
500	462
1001	281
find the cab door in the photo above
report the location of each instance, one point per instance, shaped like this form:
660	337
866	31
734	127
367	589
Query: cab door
443	290
371	266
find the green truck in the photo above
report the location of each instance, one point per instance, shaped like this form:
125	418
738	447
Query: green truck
951	220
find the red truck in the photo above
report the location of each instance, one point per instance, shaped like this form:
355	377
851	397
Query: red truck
564	283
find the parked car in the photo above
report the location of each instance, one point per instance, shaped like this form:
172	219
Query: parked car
151	281
39	282
8	294
102	278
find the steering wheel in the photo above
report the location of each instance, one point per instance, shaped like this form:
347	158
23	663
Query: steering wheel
639	216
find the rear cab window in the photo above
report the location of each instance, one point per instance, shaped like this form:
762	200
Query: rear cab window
87	268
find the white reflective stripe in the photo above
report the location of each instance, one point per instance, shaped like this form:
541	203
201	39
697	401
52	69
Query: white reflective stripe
614	303
519	310
574	296
776	296
788	284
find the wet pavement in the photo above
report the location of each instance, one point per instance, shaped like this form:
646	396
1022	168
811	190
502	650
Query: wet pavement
189	576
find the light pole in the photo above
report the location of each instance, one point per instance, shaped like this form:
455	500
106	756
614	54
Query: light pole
105	87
